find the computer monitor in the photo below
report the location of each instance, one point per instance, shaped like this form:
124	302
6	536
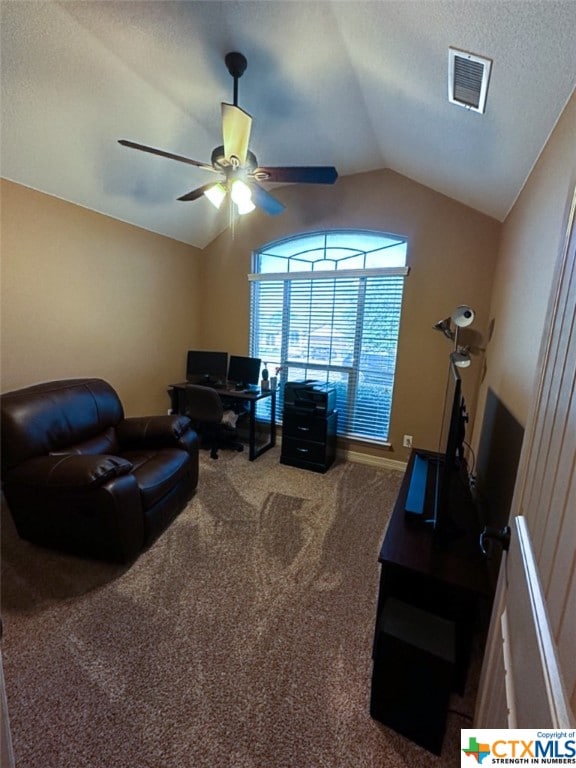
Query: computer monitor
206	367
244	371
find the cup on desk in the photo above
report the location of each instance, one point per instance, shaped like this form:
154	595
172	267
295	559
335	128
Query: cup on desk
265	385
273	382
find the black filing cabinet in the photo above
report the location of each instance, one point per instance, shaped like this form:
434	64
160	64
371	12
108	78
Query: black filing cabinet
308	438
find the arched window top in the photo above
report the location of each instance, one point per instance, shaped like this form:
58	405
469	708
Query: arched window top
331	251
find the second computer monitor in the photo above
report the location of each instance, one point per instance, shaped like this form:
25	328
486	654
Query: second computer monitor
244	371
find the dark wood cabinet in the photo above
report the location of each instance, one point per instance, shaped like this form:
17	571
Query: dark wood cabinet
308	439
428	610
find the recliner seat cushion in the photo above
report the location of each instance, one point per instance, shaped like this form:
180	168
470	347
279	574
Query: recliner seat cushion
156	472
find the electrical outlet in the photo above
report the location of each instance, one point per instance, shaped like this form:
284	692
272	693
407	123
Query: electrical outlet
407	441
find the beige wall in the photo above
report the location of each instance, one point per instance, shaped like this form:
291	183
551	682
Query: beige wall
452	256
532	239
85	295
533	244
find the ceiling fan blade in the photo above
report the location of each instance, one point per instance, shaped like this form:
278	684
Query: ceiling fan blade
162	153
265	200
196	193
321	174
236	127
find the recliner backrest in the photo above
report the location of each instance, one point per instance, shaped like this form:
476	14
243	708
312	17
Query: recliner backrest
58	416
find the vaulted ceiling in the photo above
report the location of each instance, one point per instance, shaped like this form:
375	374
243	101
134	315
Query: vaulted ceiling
354	84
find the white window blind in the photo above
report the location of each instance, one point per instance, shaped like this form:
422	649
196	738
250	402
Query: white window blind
333	326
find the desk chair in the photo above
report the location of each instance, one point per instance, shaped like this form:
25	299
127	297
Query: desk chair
204	408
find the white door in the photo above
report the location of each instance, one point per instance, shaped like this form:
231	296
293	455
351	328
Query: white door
534	616
521	639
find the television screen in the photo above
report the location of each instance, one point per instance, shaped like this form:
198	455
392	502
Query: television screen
206	367
244	370
451	437
450	450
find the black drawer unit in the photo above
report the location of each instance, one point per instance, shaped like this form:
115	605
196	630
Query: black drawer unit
414	660
308	439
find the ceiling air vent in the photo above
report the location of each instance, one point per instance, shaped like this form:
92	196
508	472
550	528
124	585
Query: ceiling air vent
468	77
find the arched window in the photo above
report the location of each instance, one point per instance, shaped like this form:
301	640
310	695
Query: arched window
326	306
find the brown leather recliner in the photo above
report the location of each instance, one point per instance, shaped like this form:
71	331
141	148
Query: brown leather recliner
81	478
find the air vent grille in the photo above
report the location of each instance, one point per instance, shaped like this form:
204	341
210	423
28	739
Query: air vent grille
468	77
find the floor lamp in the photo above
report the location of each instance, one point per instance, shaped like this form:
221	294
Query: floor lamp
450	326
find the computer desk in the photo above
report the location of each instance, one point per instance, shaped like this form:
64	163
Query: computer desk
228	396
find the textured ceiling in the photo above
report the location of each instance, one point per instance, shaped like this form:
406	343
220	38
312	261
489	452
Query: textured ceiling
359	85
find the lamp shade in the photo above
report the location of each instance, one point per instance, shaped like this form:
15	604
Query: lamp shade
241	194
461	358
444	326
216	194
463	316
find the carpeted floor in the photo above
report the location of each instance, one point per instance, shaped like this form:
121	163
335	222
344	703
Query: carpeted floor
241	639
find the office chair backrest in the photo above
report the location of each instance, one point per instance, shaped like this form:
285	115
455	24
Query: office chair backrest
205	410
203	404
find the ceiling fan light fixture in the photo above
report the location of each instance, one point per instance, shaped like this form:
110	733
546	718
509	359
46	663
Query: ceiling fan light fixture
238	165
216	194
246	206
241	194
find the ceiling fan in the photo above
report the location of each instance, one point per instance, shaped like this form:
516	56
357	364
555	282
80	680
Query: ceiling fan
237	165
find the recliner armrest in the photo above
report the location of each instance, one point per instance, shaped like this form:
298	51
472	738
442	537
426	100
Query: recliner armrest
171	431
69	471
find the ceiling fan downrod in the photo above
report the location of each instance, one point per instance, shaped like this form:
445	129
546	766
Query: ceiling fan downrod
236	64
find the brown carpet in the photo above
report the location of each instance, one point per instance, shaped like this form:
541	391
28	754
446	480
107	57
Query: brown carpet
241	639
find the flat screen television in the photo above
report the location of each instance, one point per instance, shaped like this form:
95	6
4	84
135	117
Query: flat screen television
243	371
206	367
451	454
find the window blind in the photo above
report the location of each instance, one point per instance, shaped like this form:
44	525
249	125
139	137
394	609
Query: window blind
340	329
